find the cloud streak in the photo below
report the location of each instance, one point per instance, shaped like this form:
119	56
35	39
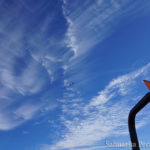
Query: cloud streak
105	115
27	67
90	23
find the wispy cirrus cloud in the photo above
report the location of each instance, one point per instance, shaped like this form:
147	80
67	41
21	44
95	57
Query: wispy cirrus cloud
15	117
105	115
27	67
89	23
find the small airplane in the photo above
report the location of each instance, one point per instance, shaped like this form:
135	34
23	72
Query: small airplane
71	84
132	115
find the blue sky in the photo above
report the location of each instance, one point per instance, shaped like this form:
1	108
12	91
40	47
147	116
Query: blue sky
71	71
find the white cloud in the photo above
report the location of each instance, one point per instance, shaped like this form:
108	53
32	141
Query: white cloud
105	115
121	84
27	82
90	22
13	118
91	26
21	75
26	112
7	123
